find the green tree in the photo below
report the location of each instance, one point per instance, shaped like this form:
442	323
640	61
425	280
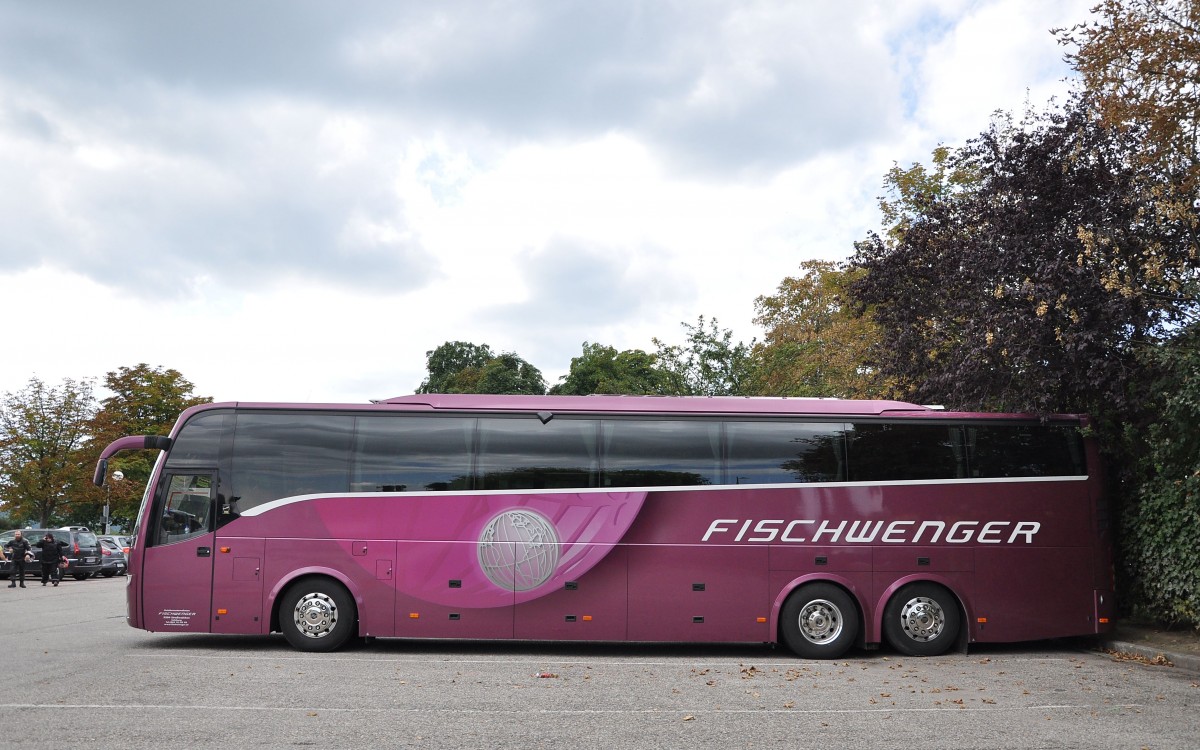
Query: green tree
602	369
908	193
508	373
447	364
816	342
709	364
145	400
42	430
462	367
1140	61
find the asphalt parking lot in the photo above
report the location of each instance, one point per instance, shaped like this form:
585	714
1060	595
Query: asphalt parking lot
84	673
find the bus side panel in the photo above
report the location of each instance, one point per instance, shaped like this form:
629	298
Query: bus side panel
806	558
1104	572
951	567
133	587
1034	592
176	593
237	586
793	566
468	606
857	583
365	566
593	608
961	586
698	593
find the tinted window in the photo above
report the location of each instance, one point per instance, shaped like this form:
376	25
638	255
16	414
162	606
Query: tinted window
650	453
885	452
412	454
1024	451
186	507
199	441
526	454
779	452
281	455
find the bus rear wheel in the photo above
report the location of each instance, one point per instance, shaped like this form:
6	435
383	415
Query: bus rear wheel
921	619
317	614
819	621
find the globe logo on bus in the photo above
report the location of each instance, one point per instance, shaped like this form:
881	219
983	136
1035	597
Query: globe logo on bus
518	550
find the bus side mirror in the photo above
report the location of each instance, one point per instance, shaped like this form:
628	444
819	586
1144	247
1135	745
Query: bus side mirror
101	472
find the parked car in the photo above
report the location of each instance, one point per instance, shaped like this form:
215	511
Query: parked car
121	542
82	551
112	558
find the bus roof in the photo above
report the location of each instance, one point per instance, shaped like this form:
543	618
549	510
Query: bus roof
652	404
619	404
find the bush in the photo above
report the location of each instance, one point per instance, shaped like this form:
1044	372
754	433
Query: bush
1160	544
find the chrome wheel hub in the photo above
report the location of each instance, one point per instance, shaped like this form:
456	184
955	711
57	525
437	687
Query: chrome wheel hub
820	621
922	619
316	615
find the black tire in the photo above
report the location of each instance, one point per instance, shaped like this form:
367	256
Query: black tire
922	619
317	614
80	576
819	621
109	573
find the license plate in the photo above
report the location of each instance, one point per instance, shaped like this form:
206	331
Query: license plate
89	560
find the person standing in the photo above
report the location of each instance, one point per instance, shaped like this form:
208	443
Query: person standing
50	554
18	549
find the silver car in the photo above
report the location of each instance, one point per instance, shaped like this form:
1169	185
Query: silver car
113	560
121	542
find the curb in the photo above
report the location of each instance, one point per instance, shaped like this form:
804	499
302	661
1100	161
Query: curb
1185	662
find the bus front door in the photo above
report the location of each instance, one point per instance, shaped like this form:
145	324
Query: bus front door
177	569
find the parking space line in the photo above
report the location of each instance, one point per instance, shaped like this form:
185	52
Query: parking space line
571	712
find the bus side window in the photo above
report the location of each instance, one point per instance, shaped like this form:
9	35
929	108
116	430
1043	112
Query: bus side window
186	508
784	452
1024	451
283	454
661	453
881	452
412	454
527	454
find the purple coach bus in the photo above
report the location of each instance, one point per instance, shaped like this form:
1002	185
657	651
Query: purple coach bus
820	524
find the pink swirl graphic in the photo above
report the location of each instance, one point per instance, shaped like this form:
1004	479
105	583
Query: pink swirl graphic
536	542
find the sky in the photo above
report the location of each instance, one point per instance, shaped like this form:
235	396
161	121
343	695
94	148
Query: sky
296	201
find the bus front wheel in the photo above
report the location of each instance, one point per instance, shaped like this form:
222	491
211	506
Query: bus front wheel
819	621
317	614
921	619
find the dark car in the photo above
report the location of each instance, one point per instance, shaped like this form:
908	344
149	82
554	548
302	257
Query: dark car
82	552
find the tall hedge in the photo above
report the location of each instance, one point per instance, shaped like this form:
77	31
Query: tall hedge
1161	537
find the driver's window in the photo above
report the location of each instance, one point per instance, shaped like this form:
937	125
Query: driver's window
187	508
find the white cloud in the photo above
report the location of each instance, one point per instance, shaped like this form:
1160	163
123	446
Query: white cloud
306	213
999	56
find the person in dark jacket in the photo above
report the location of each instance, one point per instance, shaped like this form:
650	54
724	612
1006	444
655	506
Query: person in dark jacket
18	548
50	554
